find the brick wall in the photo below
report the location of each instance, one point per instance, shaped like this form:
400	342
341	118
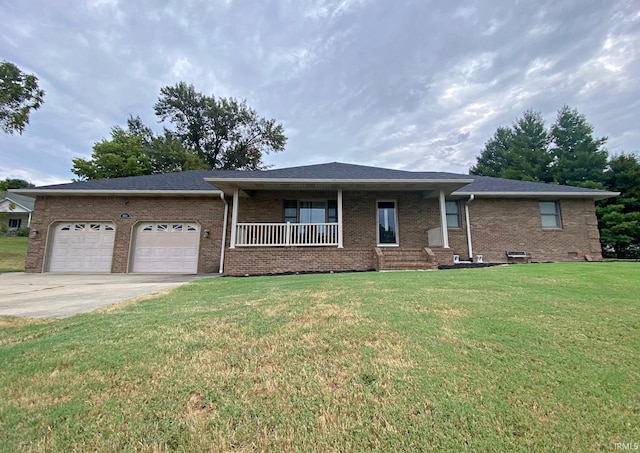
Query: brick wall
497	225
282	260
49	210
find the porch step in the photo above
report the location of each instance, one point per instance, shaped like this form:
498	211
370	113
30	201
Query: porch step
404	259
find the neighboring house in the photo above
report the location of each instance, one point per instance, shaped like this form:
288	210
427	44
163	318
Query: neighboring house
17	210
317	218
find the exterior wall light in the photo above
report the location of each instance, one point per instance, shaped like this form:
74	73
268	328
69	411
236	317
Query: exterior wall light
206	233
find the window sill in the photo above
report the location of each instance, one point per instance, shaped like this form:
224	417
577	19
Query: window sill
388	245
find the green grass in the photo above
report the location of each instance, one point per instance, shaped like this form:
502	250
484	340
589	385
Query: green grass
540	357
12	253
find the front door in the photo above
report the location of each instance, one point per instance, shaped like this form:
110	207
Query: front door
387	223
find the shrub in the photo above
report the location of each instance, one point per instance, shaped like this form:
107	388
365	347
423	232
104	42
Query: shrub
22	232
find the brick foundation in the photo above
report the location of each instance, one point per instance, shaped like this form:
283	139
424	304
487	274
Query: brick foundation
283	260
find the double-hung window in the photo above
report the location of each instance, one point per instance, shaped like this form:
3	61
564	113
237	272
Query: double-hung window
550	215
453	214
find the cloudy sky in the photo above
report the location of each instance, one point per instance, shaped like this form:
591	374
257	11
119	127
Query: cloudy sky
413	85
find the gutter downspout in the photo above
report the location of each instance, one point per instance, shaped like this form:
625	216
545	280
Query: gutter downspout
224	232
466	215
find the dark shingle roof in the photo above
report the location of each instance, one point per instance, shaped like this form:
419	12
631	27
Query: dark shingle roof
338	171
486	184
185	180
194	181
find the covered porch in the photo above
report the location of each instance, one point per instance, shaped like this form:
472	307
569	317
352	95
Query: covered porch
281	226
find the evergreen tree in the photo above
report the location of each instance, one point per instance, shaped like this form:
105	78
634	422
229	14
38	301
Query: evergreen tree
518	152
579	158
619	217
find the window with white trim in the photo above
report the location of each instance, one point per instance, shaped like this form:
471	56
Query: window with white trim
550	214
15	223
452	209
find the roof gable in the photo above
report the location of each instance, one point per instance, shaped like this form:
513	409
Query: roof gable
26	203
338	171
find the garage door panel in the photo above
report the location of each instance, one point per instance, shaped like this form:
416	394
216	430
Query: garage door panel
79	248
166	247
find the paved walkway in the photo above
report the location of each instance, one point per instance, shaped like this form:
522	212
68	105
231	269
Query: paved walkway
53	295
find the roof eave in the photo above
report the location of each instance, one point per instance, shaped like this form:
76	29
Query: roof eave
110	192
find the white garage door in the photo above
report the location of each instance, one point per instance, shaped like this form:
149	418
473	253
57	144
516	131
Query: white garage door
82	247
169	247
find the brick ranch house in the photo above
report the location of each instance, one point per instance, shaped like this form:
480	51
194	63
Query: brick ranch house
317	218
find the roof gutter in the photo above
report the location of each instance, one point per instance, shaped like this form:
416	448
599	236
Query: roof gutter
599	195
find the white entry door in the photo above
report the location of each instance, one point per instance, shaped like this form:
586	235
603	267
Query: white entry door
82	247
166	247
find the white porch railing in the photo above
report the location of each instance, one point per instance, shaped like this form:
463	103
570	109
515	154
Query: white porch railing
286	234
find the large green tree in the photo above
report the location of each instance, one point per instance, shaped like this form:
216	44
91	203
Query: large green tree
19	95
122	155
619	217
224	132
167	154
570	154
579	157
11	183
518	152
496	154
567	154
136	151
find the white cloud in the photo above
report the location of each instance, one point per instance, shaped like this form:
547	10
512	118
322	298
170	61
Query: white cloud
422	86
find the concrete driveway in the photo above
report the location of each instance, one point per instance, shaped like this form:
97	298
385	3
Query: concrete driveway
63	295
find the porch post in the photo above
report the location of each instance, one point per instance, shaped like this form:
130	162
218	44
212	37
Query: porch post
234	217
443	221
340	244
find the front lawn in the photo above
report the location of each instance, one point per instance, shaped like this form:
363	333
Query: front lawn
540	357
12	253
